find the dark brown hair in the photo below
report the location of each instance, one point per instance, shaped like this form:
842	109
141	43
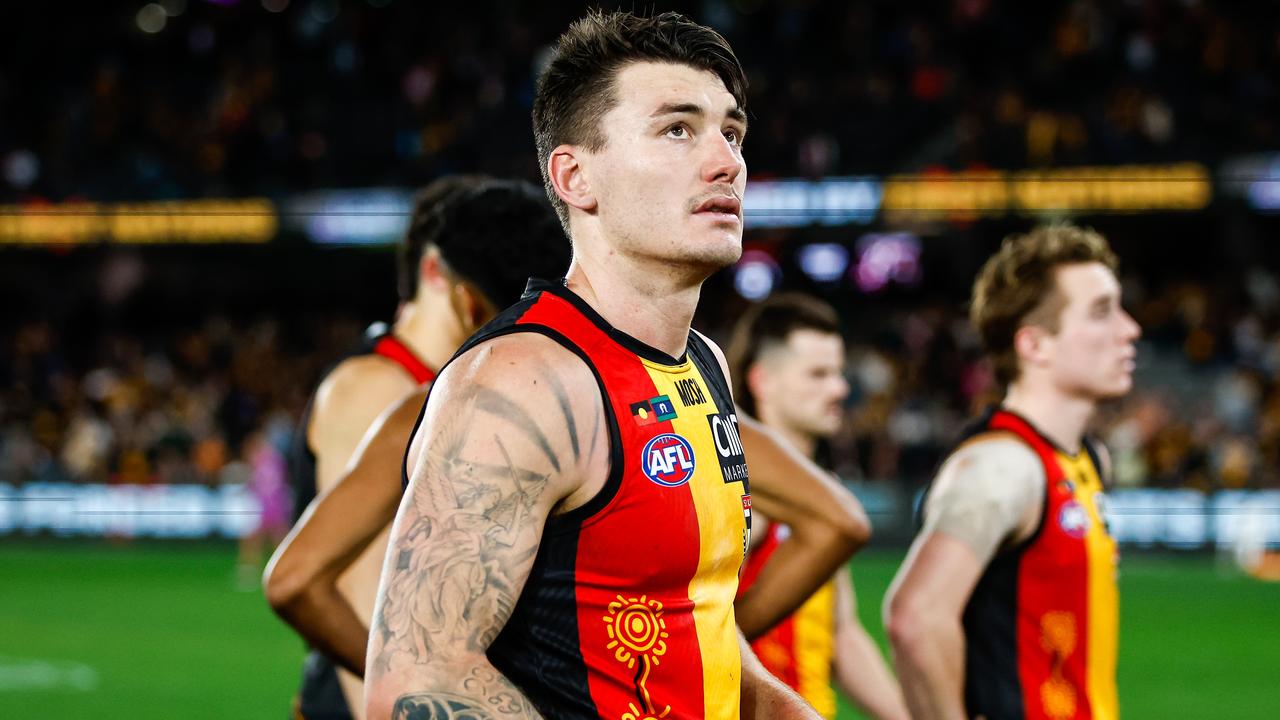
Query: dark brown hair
1018	286
576	88
767	325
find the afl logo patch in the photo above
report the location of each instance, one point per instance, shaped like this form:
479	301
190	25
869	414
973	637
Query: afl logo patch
1073	519
668	460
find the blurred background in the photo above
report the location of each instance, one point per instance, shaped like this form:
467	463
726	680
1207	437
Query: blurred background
199	200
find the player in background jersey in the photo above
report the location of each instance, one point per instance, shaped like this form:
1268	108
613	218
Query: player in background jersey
1006	604
552	491
449	285
787	360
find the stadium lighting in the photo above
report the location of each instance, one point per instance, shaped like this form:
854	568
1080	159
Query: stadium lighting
151	18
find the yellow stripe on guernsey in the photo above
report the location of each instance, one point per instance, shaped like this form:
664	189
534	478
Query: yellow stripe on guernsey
1103	596
721	535
815	645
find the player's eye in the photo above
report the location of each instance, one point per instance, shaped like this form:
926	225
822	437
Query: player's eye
733	136
677	131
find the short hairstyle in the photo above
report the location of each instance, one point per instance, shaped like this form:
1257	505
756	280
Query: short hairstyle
767	325
576	88
425	225
495	235
1018	286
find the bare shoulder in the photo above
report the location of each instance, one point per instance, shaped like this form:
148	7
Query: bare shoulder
362	381
523	396
989	462
988	492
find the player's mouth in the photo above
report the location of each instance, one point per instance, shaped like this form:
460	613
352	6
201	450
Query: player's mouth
720	208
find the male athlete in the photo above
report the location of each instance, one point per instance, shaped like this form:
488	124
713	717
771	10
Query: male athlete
449	286
1006	605
787	361
577	505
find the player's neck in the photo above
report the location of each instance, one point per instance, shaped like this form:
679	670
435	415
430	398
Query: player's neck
421	325
1063	418
653	310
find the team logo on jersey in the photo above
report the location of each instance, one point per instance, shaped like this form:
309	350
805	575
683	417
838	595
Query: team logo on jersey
653	410
668	460
724	434
1073	518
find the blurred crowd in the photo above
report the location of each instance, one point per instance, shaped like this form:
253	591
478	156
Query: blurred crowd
191	98
218	402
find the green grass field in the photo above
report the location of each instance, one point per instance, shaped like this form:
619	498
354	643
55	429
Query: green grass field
150	631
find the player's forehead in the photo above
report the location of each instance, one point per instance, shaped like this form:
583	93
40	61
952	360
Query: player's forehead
807	347
648	88
1084	283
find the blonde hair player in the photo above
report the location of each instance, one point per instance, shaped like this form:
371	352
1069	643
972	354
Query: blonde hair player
1006	605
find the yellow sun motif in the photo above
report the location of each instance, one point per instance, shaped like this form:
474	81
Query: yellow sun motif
636	714
636	629
637	632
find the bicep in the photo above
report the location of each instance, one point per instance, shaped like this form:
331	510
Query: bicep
495	458
939	570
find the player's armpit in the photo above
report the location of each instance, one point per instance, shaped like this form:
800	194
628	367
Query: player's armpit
502	442
827	525
301	580
989	492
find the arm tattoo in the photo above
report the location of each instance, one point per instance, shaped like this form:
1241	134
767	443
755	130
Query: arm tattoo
501	701
458	563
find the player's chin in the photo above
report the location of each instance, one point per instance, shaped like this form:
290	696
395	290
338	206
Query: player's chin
1118	388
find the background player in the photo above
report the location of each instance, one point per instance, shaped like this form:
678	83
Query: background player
1006	606
449	286
787	360
570	538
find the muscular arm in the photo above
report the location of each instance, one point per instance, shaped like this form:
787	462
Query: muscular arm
988	493
301	581
764	697
827	524
502	444
860	670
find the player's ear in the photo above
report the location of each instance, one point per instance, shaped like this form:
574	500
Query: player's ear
567	169
757	380
1029	342
471	306
432	272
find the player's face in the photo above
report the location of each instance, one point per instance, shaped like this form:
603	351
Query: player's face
804	385
1092	354
670	178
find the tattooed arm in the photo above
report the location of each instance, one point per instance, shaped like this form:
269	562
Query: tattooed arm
301	580
503	444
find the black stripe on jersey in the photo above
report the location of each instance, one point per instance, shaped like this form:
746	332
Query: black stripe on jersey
552	672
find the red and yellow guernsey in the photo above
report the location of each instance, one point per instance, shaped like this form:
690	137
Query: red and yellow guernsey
628	610
800	649
1042	623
